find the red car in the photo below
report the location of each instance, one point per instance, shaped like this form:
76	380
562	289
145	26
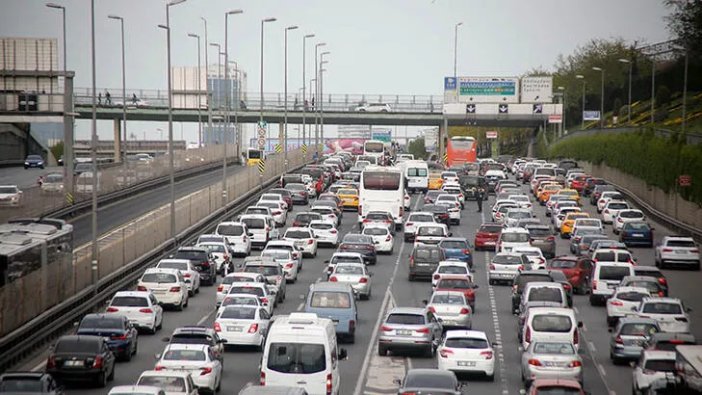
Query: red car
487	236
577	269
553	386
579	183
458	283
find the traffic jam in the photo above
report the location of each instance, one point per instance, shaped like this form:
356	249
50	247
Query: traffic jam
498	276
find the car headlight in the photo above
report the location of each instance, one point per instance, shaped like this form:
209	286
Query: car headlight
26	163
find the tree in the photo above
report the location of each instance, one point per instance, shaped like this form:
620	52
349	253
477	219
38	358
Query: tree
686	23
662	95
416	148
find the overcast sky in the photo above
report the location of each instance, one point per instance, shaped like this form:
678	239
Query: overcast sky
377	46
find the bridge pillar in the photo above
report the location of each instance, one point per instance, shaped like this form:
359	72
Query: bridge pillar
117	128
68	135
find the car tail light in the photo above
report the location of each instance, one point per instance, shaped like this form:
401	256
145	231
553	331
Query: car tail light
662	281
333	279
464	311
486	354
276	212
385	328
141	288
534	362
437	276
333	231
330	384
694	250
159	368
620	220
432	309
365	221
425	329
445	352
618	340
253	328
409	224
363	280
492	267
98	362
606	211
51	362
616	303
174	289
112	309
264	300
576	337
411	261
594	283
527	335
262	379
388	238
520	267
681	319
217	327
187	275
220	288
146	310
310	241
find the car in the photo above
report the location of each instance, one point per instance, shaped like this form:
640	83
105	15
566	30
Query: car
675	250
453	211
203	262
612	208
487	235
629	337
354	274
652	271
467	351
457	248
121	335
511	238
81	358
578	271
440	212
374	107
242	325
286	245
10	195
409	329
534	255
542	237
597	192
451	309
504	267
52	183
362	244
33	161
429	381
237	235
284	258
555	386
221	254
521	280
458	282
326	233
670	313
636	233
339	257
191	276
248	296
382	237
299	192
608	196
303	238
622	301
606	277
413	220
551	359
303	219
625	216
276	284
236	277
430	233
177	382
167	285
668	341
337	302
430	196
382	218
551	293
652	365
140	307
275	210
650	283
29	383
424	260
550	324
261	229
513	215
450	267
194	334
328	214
285	194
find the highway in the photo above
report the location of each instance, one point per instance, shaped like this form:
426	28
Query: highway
25	178
366	372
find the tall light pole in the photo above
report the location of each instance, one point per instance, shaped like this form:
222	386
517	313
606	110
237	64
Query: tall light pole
263	21
653	89
285	122
601	70
582	115
455	47
124	96
228	103
93	154
684	98
562	89
171	164
207	87
219	79
628	111
304	96
322	62
316	94
199	90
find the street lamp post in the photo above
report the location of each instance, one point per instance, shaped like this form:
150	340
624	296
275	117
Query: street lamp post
124	96
207	88
628	111
199	89
562	89
684	98
171	164
322	62
582	115
316	94
93	153
601	70
455	47
653	89
263	21
304	97
285	123
228	104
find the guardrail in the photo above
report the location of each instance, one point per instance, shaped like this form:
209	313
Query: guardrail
58	319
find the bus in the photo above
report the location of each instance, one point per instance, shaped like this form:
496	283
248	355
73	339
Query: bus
253	156
375	148
460	150
382	189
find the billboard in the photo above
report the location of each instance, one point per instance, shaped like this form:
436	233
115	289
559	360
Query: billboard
381	135
591	115
537	89
488	89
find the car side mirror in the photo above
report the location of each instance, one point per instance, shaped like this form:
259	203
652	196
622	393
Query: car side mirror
580	324
450	234
476	286
343	354
610	329
688	309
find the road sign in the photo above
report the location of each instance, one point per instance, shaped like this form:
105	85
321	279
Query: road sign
685	180
470	108
591	115
555	118
503	108
537	108
262	166
278	148
491	134
261	143
262	124
445	158
304	149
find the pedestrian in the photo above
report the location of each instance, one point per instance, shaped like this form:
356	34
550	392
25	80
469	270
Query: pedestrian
134	99
108	99
40	180
307	104
479	196
99	98
295	105
313	102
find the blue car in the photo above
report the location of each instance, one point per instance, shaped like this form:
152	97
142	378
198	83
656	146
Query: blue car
637	233
337	302
121	335
34	161
457	248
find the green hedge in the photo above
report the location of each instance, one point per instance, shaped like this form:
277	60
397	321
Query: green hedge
656	160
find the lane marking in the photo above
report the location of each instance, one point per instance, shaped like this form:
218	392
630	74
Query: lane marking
40	366
591	345
300	306
203	319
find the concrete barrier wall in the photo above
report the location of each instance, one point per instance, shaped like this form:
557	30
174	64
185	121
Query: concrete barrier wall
670	204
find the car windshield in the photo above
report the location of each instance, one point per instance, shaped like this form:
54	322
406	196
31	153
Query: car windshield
421	218
159	278
246	290
130	301
73	345
614	273
427	254
240	301
514	237
218	248
330	300
184	355
454	284
631	214
448	299
551	323
428	380
375	231
662	308
173	265
453	269
298	234
340	258
545	294
405	319
101	323
553	348
239	313
637	329
230	230
503	259
167	383
466	342
430	231
453	244
349	269
378	217
296	358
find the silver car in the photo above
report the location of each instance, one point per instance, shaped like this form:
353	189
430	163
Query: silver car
505	266
451	308
354	274
409	328
629	337
551	360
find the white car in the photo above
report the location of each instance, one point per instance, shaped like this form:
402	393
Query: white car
177	383
622	301
325	232
456	191
670	313
222	255
505	266
278	212
454	211
199	360
466	351
190	274
235	297
624	216
135	389
327	214
237	235
415	219
374	107
652	366
343	257
303	238
558	218
236	277
167	285
273	197
511	238
242	325
448	198
452	308
677	250
612	208
354	274
382	238
430	233
534	255
514	215
449	176
287	245
285	259
10	195
521	200
605	197
140	307
588	222
450	268
261	229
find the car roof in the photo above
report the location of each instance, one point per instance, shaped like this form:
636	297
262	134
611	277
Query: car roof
141	294
161	270
453	239
465	333
165	372
331	286
514	230
637	320
347	254
446	292
632	289
553	310
298	228
194	329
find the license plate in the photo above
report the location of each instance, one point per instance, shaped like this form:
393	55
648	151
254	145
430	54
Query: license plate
234	328
404	332
73	364
466	363
680	252
637	234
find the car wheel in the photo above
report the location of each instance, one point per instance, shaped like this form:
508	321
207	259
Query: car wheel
160	324
112	374
410	277
127	355
490	377
101	380
429	352
382	350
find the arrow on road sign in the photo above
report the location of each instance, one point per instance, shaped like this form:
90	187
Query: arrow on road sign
503	108
470	108
538	108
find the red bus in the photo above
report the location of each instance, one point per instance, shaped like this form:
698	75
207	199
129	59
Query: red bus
460	150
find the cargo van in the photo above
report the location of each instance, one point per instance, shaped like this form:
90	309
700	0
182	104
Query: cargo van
606	278
554	324
301	348
337	302
417	174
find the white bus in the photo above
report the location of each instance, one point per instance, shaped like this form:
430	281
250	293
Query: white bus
417	175
382	189
375	148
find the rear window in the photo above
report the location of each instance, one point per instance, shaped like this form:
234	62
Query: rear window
421	218
254	223
166	383
321	226
330	300
191	255
21	385
159	278
466	342
507	260
660	365
454	284
376	180
239	313
618	206
276	254
349	269
539	232
562	264
614	273
427	254
430	231
429	381
297	234
514	237
545	294
631	296
490	228
378	216
554	348
662	308
296	358
551	323
448	299
631	214
173	265
454	244
405	319
130	301
246	290
637	329
451	269
73	345
266	270
230	230
240	301
375	231
681	243
184	355
101	322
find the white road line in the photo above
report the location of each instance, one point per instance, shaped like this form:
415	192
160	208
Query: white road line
40	366
591	345
203	319
600	369
300	306
603	373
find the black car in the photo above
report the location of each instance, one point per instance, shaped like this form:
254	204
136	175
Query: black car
29	383
33	161
424	260
429	381
441	214
121	334
522	279
202	260
198	335
362	244
652	271
303	219
81	358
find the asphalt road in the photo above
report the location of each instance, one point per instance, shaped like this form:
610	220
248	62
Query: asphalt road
366	372
24	178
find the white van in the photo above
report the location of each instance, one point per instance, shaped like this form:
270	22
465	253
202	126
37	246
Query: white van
301	348
553	324
511	238
417	174
261	229
237	236
606	278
